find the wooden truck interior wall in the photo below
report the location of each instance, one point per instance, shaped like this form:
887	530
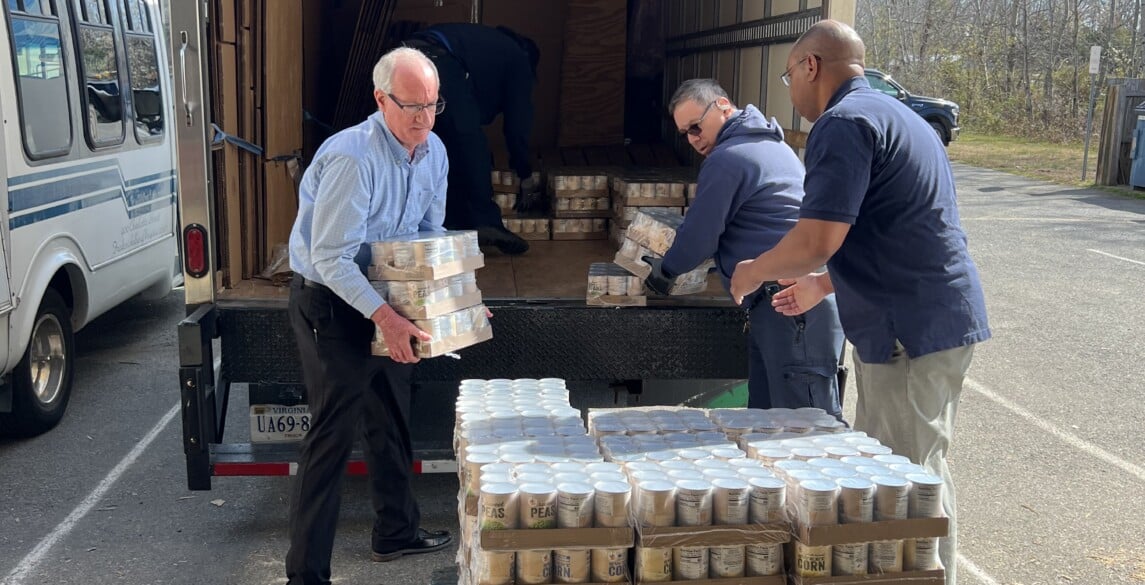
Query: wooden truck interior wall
286	96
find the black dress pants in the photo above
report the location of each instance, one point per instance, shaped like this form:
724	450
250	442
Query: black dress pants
350	393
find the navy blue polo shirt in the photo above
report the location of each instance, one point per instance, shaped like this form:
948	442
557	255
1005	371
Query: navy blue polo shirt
903	271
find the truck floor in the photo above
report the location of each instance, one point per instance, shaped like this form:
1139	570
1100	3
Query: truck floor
549	270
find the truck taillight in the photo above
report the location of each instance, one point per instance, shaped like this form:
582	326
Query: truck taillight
195	255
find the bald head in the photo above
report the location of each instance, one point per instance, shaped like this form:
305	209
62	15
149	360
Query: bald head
837	43
821	61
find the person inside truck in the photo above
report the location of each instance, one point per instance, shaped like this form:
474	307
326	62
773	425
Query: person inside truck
485	72
747	196
383	178
881	211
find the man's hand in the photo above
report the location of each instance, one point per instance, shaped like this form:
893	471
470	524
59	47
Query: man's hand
396	333
657	281
529	196
801	294
744	282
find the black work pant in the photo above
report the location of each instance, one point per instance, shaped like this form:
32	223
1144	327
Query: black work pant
469	199
349	392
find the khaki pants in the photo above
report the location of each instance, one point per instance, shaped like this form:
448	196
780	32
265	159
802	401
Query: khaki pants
909	404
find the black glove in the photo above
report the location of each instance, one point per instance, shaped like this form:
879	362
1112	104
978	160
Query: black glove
657	281
529	197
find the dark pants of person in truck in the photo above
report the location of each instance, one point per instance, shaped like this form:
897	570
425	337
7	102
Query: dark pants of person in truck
469	200
350	393
794	361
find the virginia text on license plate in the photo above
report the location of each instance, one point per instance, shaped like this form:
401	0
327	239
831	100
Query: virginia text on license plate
273	423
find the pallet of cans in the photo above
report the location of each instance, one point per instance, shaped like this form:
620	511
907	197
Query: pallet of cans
538	504
425	256
429	279
580	229
650	187
610	285
580	192
507	181
631	255
858	509
534	228
703	512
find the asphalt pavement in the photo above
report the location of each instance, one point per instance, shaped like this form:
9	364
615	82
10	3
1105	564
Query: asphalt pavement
1049	458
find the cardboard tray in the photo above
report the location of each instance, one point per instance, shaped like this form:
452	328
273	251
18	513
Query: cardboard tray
625	201
444	346
584	214
440	308
382	272
936	577
673	536
553	538
636	267
872	531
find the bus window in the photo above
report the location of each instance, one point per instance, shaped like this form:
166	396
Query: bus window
143	70
98	66
40	77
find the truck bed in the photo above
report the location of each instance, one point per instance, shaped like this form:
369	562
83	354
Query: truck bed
550	270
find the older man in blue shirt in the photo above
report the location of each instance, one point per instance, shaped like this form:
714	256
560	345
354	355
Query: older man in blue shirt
384	177
880	210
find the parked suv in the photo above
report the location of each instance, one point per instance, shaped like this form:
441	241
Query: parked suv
941	114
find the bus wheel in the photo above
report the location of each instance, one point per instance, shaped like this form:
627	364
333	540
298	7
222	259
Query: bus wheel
42	381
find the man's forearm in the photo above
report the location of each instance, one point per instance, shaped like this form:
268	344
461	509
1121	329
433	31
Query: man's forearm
795	255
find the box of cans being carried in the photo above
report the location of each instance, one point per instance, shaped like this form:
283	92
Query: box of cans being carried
429	279
425	256
631	258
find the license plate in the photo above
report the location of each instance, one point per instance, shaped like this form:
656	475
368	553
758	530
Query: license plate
273	423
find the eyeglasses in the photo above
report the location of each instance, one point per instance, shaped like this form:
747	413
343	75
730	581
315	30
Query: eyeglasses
415	109
786	77
695	129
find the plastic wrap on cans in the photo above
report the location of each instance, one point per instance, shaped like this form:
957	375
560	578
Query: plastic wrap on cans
421	299
655	229
425	256
611	285
449	332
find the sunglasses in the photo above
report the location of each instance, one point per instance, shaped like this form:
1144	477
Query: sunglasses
695	129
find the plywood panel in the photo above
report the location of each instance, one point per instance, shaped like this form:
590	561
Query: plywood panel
228	85
750	76
226	21
593	73
282	89
283	78
705	65
545	26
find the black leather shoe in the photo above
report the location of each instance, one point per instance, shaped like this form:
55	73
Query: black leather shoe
506	241
426	542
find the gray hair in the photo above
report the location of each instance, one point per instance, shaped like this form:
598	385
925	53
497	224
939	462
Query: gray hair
701	91
384	70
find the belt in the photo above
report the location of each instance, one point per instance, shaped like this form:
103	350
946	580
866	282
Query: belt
306	282
766	291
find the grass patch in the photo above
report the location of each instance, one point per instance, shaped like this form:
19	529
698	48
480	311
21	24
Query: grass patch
1044	161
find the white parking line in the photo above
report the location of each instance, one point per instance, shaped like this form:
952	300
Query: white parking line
973	569
32	560
1112	256
1068	438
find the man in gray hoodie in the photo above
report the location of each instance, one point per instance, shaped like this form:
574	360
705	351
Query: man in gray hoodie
748	196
